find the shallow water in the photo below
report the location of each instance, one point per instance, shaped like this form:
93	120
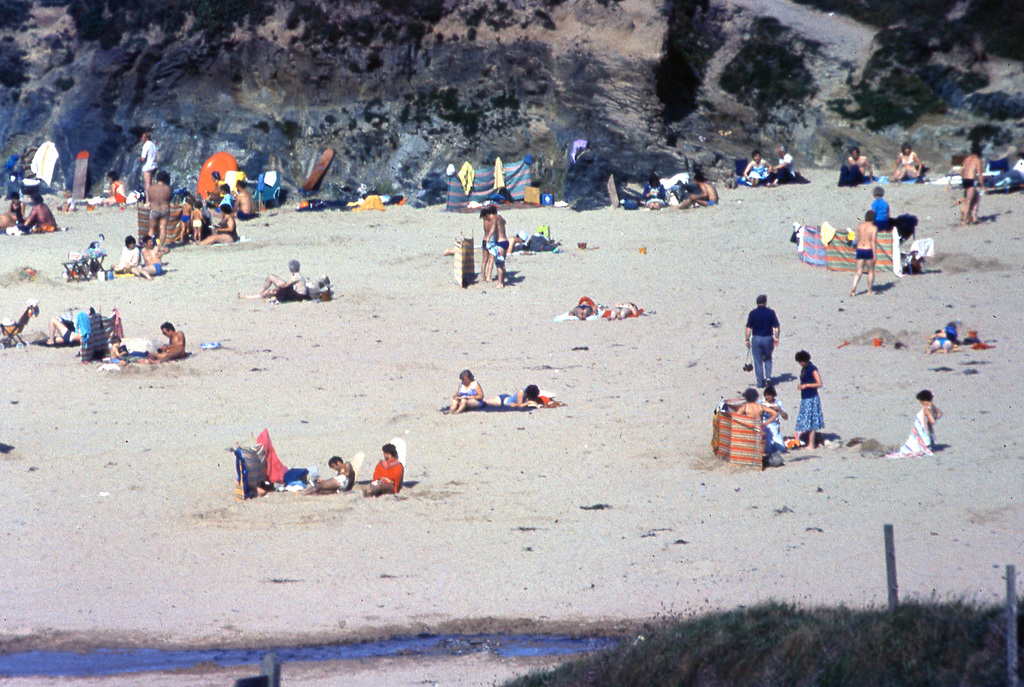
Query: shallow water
113	662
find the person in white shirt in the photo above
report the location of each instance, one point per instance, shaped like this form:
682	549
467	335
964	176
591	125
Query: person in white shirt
783	173
148	160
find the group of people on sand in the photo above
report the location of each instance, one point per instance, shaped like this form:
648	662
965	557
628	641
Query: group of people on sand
759	173
470	396
680	191
294	288
388	476
39	221
63	332
859	170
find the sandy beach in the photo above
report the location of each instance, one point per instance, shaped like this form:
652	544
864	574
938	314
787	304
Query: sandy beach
120	527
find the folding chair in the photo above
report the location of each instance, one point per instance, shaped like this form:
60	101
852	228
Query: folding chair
10	330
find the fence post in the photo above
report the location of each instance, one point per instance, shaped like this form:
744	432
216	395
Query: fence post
890	568
1011	626
270	667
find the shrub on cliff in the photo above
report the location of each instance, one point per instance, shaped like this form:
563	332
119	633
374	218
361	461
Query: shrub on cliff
769	70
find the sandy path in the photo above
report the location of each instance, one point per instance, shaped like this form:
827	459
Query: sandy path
119	525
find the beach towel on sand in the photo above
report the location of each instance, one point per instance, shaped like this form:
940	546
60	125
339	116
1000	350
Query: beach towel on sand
275	469
920	441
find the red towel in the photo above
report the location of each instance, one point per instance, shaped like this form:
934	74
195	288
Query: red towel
275	468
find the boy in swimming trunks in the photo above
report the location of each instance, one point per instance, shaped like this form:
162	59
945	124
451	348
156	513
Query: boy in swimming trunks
867	248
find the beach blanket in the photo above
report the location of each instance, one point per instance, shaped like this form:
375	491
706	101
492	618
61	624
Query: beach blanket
738	439
517	178
275	469
920	441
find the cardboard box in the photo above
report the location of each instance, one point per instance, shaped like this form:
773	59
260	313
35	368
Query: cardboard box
531	194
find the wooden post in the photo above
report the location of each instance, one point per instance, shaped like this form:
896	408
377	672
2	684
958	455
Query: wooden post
890	568
270	667
1011	627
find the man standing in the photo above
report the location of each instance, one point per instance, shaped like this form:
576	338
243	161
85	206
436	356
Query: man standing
148	160
762	337
159	197
867	248
495	244
971	179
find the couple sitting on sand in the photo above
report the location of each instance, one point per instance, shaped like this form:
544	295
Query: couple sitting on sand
586	309
470	396
388	476
295	288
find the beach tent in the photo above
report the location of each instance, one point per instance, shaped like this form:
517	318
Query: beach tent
517	178
838	255
737	439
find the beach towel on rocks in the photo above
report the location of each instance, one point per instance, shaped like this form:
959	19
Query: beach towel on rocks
275	469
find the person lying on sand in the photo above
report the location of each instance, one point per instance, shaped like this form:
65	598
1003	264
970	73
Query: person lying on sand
622	311
63	328
343	481
388	475
528	397
174	350
469	395
292	289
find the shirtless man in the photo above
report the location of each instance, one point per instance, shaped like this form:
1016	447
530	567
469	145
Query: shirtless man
148	158
343	481
159	195
707	197
174	350
495	245
41	218
970	176
754	410
867	248
245	204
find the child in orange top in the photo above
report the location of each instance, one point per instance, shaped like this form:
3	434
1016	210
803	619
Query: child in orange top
388	475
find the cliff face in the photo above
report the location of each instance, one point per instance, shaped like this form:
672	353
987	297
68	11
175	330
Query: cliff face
399	90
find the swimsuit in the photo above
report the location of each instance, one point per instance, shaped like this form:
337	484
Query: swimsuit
967	183
159	214
67	335
711	203
158	268
466	391
865	254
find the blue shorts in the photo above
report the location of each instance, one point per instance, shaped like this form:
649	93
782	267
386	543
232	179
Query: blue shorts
711	203
158	268
865	254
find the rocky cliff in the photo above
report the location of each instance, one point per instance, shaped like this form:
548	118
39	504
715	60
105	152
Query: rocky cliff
399	90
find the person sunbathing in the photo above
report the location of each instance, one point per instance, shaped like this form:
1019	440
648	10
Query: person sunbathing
152	257
226	230
707	196
63	327
41	218
131	260
292	289
908	164
118	193
469	395
174	350
622	311
15	214
343	481
246	203
528	397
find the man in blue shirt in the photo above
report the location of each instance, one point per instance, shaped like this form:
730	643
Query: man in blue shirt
762	336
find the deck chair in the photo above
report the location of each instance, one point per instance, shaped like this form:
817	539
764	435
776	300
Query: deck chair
268	189
10	330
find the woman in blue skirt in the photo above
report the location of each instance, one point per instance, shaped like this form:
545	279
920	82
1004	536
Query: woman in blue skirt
809	419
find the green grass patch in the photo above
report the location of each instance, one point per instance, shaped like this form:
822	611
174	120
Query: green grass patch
952	644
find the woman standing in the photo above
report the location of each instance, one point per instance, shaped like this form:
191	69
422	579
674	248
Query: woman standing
809	419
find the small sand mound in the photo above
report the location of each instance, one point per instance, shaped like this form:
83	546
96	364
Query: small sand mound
956	263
